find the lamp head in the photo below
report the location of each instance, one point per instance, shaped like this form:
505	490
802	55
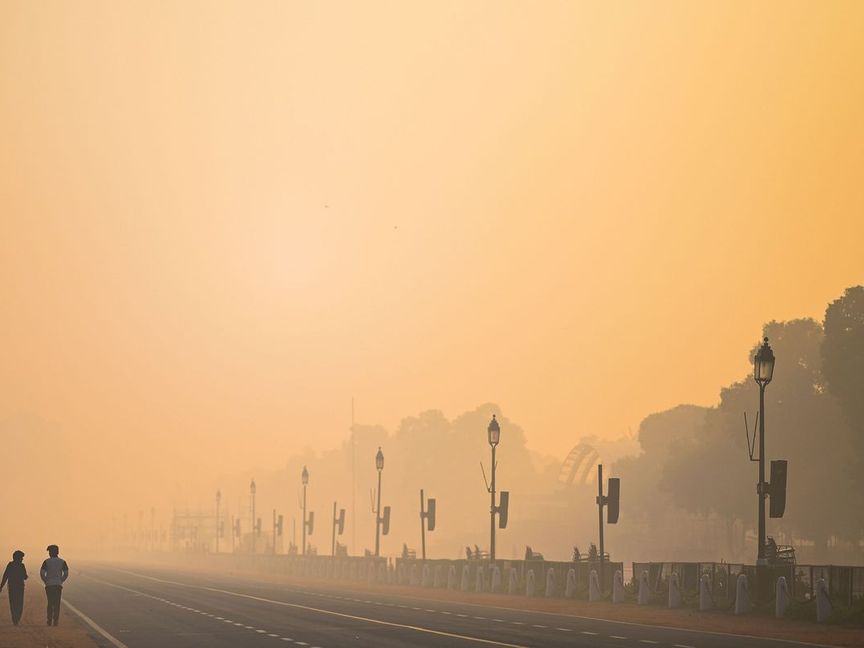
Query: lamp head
379	460
494	431
763	364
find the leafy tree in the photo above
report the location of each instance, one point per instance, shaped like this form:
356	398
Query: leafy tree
843	358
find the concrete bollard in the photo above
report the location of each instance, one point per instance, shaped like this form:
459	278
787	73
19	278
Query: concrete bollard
674	591
529	583
781	598
570	587
466	576
593	587
495	585
479	580
618	587
823	601
382	573
706	600
644	592
438	580
452	584
550	583
426	581
513	582
370	574
742	595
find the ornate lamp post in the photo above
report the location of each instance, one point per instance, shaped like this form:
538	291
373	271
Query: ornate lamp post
379	465
763	371
252	490
218	501
494	433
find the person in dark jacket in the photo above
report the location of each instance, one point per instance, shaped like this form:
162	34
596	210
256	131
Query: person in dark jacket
15	575
54	573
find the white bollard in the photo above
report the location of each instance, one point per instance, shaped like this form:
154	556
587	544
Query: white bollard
706	600
415	579
451	578
478	581
438	580
370	574
427	576
529	583
550	583
618	587
513	582
674	591
382	573
823	601
594	587
495	586
742	595
466	576
570	589
401	575
644	592
781	598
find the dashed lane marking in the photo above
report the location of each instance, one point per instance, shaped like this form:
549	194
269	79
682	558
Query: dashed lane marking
298	606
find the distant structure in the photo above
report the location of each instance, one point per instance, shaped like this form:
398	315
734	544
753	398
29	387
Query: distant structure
577	467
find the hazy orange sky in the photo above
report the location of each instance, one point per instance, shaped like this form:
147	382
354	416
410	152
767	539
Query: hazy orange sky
221	221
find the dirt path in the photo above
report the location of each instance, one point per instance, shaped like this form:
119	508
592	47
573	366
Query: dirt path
32	630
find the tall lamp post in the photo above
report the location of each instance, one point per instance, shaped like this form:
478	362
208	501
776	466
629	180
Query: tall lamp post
305	479
494	432
252	490
218	501
763	371
379	465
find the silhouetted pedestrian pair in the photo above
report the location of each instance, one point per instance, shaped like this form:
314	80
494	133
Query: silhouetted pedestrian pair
54	573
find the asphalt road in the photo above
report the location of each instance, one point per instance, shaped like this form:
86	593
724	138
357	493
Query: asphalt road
150	607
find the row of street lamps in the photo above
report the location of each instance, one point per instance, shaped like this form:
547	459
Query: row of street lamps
763	371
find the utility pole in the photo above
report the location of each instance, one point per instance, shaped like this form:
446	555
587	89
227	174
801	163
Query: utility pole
427	519
612	503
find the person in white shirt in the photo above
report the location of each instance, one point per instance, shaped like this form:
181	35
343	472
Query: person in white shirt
54	573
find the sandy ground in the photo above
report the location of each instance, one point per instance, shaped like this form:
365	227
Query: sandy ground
32	631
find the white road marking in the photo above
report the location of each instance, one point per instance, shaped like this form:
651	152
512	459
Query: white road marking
102	631
297	606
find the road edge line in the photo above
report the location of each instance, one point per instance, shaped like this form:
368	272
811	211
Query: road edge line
102	631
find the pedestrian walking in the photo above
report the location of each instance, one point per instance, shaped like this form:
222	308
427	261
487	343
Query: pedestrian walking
15	575
54	573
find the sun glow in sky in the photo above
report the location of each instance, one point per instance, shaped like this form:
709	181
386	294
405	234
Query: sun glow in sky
219	222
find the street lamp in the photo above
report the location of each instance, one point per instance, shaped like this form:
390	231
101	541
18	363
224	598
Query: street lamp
763	371
304	477
252	490
379	465
494	432
218	500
